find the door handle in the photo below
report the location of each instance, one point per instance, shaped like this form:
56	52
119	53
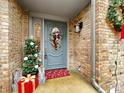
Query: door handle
45	54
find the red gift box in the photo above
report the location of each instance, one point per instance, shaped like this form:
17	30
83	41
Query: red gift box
36	81
122	32
25	86
28	84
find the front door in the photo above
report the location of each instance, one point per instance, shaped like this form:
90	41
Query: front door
55	44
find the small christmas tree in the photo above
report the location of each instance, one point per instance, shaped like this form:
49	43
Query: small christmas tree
31	57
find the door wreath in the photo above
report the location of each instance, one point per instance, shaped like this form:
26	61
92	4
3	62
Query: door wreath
55	38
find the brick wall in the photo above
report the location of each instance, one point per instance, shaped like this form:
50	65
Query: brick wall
107	51
3	44
13	31
80	43
106	48
102	52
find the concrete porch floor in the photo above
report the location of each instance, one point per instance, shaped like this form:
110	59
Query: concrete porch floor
70	84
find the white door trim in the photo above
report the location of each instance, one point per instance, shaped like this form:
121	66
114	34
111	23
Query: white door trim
68	45
43	39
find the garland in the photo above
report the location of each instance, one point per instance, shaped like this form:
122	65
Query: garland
115	14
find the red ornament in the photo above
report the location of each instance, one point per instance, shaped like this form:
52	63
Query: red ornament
122	32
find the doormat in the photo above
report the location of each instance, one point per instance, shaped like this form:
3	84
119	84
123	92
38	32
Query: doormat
56	73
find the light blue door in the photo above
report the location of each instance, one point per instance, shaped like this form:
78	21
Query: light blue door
55	44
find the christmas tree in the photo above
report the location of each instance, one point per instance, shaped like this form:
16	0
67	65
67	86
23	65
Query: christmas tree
31	57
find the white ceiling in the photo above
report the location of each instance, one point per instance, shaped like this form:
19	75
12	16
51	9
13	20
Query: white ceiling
63	8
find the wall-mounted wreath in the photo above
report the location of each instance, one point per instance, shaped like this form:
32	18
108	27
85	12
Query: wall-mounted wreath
115	14
55	38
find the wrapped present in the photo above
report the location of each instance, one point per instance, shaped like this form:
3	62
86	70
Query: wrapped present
28	84
122	32
34	80
25	86
15	78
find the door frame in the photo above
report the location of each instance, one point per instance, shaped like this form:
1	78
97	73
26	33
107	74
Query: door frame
31	33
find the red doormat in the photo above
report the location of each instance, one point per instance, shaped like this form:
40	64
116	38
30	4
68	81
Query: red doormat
56	73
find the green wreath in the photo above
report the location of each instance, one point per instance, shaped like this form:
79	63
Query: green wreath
115	14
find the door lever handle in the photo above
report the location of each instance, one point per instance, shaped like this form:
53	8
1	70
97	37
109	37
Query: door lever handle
45	55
